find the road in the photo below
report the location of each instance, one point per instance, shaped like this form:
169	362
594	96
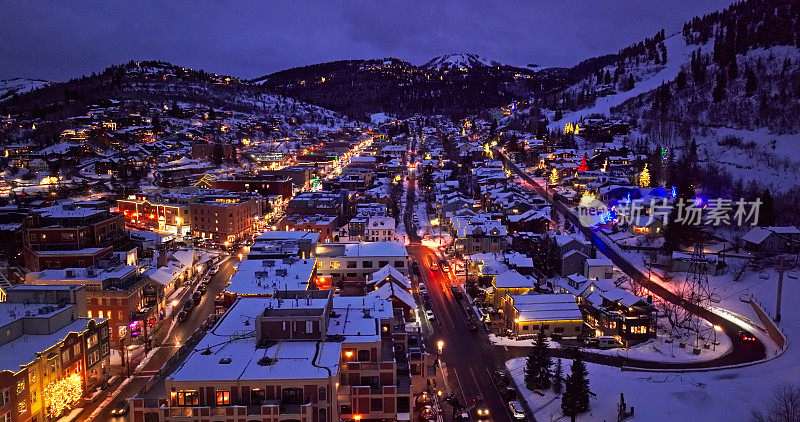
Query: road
742	352
180	333
468	356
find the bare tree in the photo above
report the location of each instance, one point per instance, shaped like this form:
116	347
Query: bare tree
675	313
784	406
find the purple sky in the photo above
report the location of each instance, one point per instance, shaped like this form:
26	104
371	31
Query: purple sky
59	39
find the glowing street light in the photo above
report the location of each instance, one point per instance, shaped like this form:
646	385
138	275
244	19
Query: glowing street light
174	302
440	345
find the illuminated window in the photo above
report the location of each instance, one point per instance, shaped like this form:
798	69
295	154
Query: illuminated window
20	386
22	407
335	265
187	398
223	398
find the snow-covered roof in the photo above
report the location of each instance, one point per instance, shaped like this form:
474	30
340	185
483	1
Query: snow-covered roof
232	339
759	234
267	276
512	279
547	307
385	273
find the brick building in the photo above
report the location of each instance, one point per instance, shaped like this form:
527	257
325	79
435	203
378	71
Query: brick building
50	348
63	236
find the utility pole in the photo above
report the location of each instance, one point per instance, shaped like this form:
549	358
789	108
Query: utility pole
780	291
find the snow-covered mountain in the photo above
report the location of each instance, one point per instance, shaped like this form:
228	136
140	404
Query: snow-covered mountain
461	61
9	87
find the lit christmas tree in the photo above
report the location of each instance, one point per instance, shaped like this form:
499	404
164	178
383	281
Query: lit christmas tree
644	177
583	166
554	177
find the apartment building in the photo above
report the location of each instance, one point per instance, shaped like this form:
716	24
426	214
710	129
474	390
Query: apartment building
349	264
63	236
298	356
51	355
225	217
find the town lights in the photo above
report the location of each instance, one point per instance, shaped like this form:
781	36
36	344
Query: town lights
348	354
440	345
356	417
717	328
174	302
60	395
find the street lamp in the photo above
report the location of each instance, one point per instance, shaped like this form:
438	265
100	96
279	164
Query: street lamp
440	346
716	328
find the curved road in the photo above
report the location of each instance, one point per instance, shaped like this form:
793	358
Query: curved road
742	352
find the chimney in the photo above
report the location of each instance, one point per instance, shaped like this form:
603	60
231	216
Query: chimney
161	261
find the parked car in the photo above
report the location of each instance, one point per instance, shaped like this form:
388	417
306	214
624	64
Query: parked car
501	378
214	270
121	408
516	410
456	292
607	342
422	287
188	305
472	326
201	289
197	298
182	315
444	266
430	315
508	392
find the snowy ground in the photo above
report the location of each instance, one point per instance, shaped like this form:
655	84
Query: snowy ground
721	395
658	350
678	53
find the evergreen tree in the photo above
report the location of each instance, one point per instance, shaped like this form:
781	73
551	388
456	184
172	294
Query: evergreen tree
575	399
537	368
558	378
719	89
750	82
680	81
766	214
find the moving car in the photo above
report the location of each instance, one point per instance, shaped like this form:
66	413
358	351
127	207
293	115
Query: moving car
121	408
747	337
481	409
516	410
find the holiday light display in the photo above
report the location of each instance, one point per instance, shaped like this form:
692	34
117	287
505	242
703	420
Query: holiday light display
60	395
554	177
644	177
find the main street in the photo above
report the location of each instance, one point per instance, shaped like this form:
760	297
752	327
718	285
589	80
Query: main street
151	373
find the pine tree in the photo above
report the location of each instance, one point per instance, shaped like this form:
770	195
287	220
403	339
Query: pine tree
558	378
751	82
537	370
575	399
680	81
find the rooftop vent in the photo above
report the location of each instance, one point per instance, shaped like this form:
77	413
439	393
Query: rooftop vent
225	361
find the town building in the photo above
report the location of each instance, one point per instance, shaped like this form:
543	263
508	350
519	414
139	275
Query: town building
63	236
51	355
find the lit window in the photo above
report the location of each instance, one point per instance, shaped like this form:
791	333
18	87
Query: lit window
223	398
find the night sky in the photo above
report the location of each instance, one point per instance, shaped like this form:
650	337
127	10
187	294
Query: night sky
58	40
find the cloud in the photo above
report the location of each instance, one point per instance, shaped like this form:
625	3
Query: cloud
60	39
